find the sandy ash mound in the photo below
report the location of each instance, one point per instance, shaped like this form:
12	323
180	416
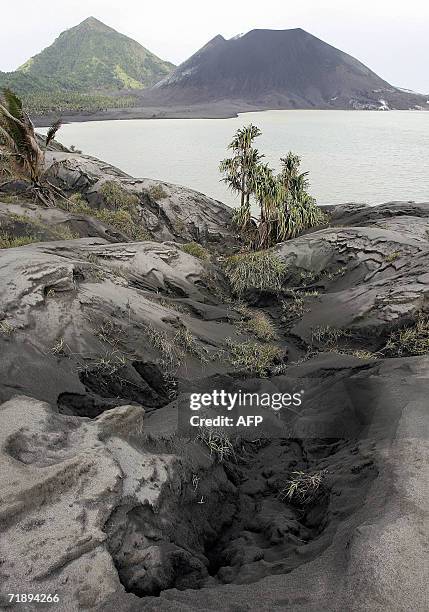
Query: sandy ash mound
110	501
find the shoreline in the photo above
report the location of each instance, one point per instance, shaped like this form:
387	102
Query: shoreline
208	111
202	111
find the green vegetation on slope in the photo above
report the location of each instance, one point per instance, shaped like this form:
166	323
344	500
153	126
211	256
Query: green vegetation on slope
260	270
87	59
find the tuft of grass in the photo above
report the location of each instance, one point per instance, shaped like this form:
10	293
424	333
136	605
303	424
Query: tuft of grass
257	323
411	340
310	293
109	332
172	350
292	310
65	233
7	241
6	328
261	270
157	192
171	303
336	273
10	198
391	257
76	203
33	230
121	210
108	364
253	357
328	336
186	342
170	356
197	250
118	198
218	442
60	347
124	221
307	277
362	354
303	487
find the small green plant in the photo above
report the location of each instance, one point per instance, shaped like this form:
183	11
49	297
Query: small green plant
253	357
307	277
109	332
362	354
261	270
118	198
185	342
292	310
121	210
108	364
179	225
59	348
391	257
257	323
6	328
76	203
197	250
161	341
9	198
303	487
336	273
218	442
328	336
157	192
73	149
123	221
172	350
310	293
7	241
411	340
65	233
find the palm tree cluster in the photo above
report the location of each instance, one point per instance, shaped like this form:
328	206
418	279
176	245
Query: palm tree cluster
20	150
286	208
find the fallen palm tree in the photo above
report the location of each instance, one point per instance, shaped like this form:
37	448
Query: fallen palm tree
20	150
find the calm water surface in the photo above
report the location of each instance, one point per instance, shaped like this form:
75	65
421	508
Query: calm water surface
351	155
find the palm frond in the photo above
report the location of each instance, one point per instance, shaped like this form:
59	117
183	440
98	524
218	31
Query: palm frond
52	131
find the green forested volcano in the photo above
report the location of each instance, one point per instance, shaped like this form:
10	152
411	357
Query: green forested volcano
89	58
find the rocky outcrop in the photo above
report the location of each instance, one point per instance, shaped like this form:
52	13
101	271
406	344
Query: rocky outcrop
92	506
110	501
71	492
369	269
28	220
88	325
168	212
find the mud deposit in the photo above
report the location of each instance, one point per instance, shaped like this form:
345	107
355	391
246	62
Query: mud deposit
112	500
242	530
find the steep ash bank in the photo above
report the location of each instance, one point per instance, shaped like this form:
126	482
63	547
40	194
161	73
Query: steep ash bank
122	509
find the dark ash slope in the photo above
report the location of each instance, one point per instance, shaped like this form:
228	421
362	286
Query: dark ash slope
278	68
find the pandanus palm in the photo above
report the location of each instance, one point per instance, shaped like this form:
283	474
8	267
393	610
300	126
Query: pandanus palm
20	146
298	210
286	208
238	170
268	193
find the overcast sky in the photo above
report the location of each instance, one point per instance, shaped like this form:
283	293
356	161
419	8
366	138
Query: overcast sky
390	36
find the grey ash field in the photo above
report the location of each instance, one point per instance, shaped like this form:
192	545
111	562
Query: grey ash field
102	331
